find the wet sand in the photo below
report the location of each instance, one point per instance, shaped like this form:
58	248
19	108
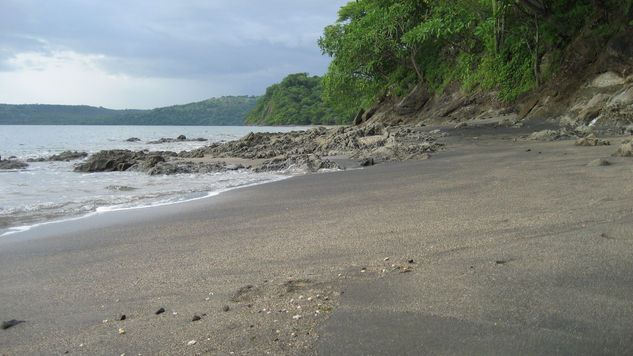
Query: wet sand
491	247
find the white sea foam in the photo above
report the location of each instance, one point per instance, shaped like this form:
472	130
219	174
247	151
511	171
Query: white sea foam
50	191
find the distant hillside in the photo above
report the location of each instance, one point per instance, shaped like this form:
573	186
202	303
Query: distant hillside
294	101
228	110
37	114
224	111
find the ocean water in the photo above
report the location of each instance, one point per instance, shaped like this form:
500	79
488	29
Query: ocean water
51	191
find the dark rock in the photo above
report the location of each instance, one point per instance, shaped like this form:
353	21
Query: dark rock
68	156
226	308
11	323
133	139
160	311
411	261
123	317
186	167
12	164
180	138
367	162
110	160
151	161
196	318
198	153
599	163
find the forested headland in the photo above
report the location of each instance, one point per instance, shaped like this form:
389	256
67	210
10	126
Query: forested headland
297	100
227	110
388	48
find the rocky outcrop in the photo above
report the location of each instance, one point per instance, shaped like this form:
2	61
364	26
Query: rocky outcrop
12	164
111	160
625	149
65	156
181	138
375	140
186	167
304	162
302	150
592	140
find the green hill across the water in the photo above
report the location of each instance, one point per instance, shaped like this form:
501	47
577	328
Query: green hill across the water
226	110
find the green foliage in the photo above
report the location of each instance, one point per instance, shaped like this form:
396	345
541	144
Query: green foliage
297	100
380	45
223	111
227	110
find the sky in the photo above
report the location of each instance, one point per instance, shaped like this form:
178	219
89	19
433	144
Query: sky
129	54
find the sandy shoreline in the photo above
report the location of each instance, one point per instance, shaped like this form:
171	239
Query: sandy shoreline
516	247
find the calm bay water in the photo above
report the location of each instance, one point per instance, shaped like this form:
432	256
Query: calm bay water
51	191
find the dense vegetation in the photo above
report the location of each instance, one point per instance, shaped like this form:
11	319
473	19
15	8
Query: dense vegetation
297	100
388	46
228	110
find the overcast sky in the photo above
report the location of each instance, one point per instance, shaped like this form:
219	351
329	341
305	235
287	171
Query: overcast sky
151	53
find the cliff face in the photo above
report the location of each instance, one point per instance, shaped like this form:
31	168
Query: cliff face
592	85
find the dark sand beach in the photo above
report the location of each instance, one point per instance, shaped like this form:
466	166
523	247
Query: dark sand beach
494	246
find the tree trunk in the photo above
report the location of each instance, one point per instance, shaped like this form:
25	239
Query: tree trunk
537	54
415	67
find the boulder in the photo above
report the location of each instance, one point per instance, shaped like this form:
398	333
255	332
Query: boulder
592	140
606	80
625	149
619	108
110	160
133	139
151	161
545	135
68	156
12	164
587	111
181	138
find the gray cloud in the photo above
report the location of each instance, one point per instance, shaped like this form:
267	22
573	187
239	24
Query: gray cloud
188	40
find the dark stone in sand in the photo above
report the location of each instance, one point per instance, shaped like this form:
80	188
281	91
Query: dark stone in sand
501	262
242	293
411	261
160	311
11	323
599	163
367	162
123	317
196	318
226	308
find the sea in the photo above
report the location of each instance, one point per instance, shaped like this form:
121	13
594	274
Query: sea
49	192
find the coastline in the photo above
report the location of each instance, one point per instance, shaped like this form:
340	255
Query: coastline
535	241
